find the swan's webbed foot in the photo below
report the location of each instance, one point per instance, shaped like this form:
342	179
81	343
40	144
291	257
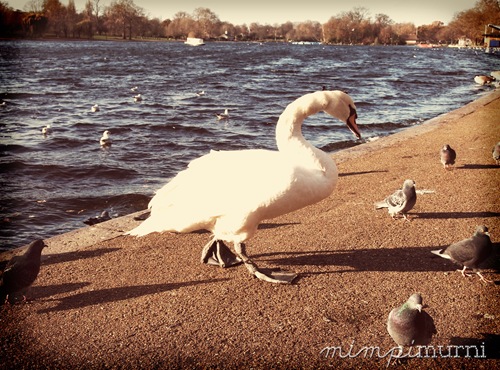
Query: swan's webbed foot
215	252
269	275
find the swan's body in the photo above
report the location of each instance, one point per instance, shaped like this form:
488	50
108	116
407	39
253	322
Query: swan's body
230	192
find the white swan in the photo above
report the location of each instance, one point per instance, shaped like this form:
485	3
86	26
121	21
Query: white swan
230	192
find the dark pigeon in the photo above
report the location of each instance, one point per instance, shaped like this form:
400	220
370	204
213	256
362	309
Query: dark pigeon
20	272
470	253
448	156
401	201
98	219
408	325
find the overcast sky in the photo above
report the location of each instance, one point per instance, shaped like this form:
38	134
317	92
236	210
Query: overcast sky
278	11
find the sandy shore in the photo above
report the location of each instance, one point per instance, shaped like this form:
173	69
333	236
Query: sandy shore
103	300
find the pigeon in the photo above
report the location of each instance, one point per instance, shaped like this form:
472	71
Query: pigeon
105	140
496	153
138	98
20	272
46	130
448	156
95	108
104	216
221	116
484	80
401	201
470	252
408	325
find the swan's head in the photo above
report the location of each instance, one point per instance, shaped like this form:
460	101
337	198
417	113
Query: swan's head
341	106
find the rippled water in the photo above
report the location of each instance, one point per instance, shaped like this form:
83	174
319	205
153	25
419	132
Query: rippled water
51	184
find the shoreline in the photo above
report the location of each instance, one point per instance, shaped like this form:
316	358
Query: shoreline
89	235
104	300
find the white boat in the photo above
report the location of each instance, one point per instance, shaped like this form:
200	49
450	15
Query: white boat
194	41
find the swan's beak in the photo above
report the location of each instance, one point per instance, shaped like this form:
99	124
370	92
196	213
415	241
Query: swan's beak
351	123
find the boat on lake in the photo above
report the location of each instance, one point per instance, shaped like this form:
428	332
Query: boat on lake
194	41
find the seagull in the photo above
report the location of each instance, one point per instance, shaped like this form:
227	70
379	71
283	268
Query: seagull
46	130
200	93
409	325
447	156
496	153
134	89
105	140
471	252
484	80
20	272
276	183
138	97
221	116
95	108
401	201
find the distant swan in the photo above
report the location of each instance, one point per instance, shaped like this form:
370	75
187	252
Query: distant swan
138	98
105	139
230	192
95	108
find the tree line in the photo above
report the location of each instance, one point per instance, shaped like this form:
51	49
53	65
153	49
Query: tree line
124	19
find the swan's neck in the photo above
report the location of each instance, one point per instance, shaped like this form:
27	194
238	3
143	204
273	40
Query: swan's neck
289	138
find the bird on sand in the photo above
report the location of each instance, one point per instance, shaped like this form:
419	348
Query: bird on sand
105	140
221	116
20	272
95	108
495	152
471	252
484	80
409	325
257	185
104	216
401	201
447	156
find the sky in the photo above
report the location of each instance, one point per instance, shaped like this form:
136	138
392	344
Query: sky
272	12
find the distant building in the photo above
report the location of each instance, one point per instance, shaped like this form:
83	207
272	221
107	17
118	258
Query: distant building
411	39
492	38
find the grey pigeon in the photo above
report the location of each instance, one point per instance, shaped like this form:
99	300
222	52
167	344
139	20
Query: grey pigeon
471	252
496	153
21	271
408	325
401	201
448	156
98	219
